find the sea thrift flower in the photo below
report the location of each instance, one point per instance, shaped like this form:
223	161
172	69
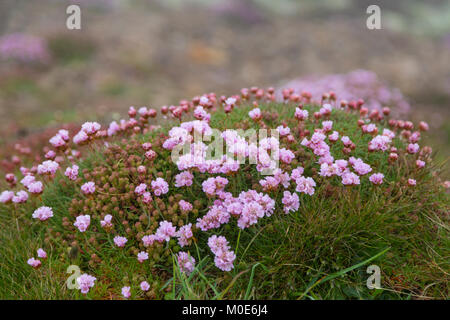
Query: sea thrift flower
140	189
412	148
41	253
376	178
120	241
186	262
85	282
57	141
346	141
301	114
305	185
35	263
327	125
148	240
88	188
283	131
184	235
224	260
27	180
35	187
90	128
160	186
359	166
43	213
106	222
82	222
255	114
126	292
183	179
6	196
142	256
20	197
72	172
185	206
80	137
420	164
412	182
286	156
349	178
291	202
334	136
147	197
214	218
213	185
165	231
144	286
48	167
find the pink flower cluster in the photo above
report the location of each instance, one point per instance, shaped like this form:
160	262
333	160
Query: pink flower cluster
224	257
82	222
43	213
186	262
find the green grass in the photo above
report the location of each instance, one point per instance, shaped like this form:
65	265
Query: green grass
320	252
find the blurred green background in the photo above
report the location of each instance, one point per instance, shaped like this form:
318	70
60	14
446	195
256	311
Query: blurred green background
156	52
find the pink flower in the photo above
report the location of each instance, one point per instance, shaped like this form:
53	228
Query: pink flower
147	197
142	256
72	172
6	196
113	128
286	155
35	187
126	292
80	137
48	167
82	222
57	141
413	148
144	286
90	128
213	185
412	182
359	166
20	197
334	136
255	114
35	263
41	253
380	143
85	282
224	261
301	114
376	178
43	213
106	222
186	262
88	188
305	185
160	186
346	141
140	189
420	164
148	240
297	173
27	180
184	235
349	178
283	131
223	256
120	241
185	206
214	218
291	202
165	231
327	125
183	179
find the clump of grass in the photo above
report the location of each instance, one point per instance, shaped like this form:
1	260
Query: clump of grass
319	251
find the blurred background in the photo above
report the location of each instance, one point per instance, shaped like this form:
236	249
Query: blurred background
156	52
